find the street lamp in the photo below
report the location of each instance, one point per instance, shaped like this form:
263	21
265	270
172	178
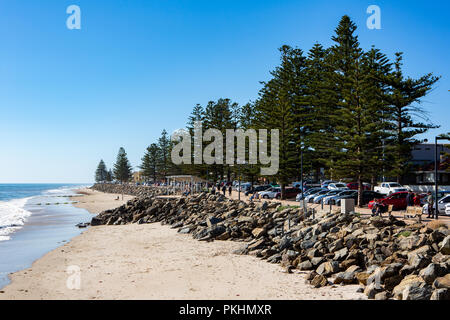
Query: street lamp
239	176
436	165
301	168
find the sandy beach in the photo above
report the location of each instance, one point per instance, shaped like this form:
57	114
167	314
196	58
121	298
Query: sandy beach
152	261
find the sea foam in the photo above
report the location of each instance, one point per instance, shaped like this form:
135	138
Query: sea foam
12	216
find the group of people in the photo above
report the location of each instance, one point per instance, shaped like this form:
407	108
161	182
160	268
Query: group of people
412	200
223	187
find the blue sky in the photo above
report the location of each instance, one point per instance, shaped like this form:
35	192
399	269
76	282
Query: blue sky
71	97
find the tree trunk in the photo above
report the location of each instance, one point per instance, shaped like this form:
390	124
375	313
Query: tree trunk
283	191
360	191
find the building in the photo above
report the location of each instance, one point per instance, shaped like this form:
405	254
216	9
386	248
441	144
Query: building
423	161
424	153
138	177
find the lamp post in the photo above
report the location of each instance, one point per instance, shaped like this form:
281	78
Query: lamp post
301	169
436	166
239	182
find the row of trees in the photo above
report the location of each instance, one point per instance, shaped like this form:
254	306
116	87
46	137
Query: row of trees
348	110
123	171
351	111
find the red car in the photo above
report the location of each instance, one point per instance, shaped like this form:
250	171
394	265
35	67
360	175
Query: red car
289	192
354	186
398	200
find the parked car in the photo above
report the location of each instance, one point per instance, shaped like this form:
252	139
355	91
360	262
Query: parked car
332	199
325	183
310	198
269	193
307	193
289	193
354	186
337	186
442	203
447	209
257	189
319	198
397	199
245	186
389	188
367	196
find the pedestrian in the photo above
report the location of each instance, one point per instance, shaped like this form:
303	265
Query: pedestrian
430	201
213	189
416	200
375	207
230	189
224	190
410	199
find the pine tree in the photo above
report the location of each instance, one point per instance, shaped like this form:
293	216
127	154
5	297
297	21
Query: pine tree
408	118
197	115
360	124
150	162
109	176
322	98
278	108
101	172
166	166
246	122
122	167
219	115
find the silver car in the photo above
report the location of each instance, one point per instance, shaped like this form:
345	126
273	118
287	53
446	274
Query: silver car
332	199
319	198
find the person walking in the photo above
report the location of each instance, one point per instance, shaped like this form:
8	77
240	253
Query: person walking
416	200
224	189
430	201
230	189
410	199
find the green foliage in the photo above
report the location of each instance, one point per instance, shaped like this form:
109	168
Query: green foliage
101	174
122	167
350	111
150	162
408	118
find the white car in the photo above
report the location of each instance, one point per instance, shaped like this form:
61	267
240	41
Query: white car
269	193
389	188
337	186
442	205
447	209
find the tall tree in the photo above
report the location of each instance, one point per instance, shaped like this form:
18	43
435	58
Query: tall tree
122	167
322	98
360	127
109	176
408	118
164	145
150	162
219	115
101	173
246	122
197	115
278	108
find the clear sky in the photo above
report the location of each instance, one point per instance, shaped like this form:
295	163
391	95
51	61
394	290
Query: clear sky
71	97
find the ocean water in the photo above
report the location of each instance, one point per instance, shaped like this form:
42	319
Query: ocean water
35	219
14	199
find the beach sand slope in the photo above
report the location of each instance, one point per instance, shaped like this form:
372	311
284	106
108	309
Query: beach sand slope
153	261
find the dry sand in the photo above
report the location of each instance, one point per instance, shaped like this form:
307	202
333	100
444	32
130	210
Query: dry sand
155	262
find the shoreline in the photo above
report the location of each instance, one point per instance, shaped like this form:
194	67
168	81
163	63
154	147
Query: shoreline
153	261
